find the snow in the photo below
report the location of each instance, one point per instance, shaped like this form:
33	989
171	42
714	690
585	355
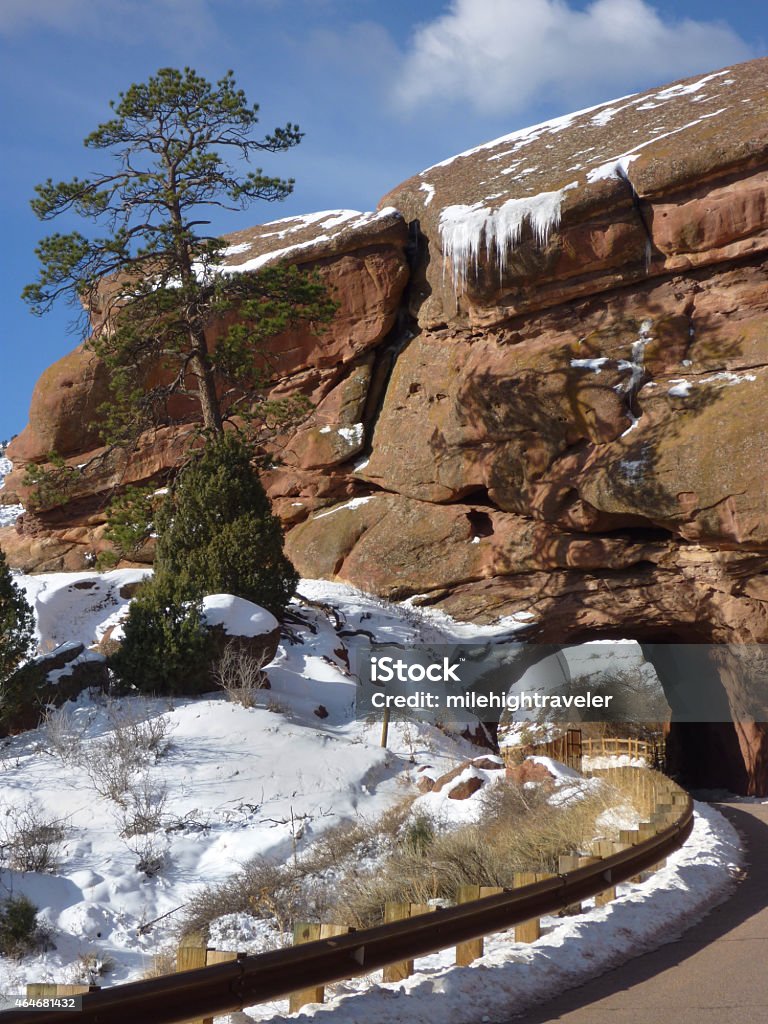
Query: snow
521	136
328	219
612	761
77	606
430	192
559	771
595	365
446	812
615	167
681	388
322	218
82	659
237	616
353	503
229	785
692	87
353	434
235	250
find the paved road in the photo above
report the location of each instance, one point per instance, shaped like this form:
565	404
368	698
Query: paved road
716	973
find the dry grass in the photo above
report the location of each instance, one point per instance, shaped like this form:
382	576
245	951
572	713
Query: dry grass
163	963
404	858
519	831
351	871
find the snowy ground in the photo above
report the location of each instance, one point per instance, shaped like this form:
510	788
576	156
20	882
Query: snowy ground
235	781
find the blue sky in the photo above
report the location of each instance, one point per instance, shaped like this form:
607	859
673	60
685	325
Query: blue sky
381	90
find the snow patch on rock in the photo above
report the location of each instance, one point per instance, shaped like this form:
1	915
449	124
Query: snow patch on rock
237	616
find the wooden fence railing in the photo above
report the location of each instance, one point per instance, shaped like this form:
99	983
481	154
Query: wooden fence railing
571	747
204	992
650	751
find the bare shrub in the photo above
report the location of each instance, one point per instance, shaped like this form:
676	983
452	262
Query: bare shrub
29	841
163	963
90	966
63	735
150	851
240	673
140	739
110	775
133	743
143	808
262	888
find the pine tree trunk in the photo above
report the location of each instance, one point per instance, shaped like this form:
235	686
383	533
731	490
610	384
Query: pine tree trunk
206	389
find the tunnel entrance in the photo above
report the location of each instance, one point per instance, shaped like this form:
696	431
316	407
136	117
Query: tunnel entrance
705	754
716	753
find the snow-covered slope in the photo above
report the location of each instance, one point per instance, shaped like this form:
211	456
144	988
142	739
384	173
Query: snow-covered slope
222	783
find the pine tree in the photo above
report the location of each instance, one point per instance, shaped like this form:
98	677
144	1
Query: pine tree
153	280
216	534
17	624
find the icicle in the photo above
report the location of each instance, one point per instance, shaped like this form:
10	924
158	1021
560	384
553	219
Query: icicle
463	229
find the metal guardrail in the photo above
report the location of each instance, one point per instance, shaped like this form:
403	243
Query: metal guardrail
228	987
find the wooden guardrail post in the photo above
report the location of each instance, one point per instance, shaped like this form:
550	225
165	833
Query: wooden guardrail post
568	862
305	931
472	949
402	968
191	954
530	930
308	931
50	990
399	912
217	956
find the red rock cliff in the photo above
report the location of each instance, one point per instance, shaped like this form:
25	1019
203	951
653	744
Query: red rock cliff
574	422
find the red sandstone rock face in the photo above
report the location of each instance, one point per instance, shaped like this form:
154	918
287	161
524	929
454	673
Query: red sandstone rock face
362	260
574	424
63	415
695	154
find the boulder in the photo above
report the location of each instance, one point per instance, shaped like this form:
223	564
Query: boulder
252	630
49	681
362	259
529	771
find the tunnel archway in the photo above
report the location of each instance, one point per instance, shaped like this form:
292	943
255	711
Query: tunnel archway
730	752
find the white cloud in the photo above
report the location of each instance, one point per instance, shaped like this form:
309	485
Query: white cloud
500	56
